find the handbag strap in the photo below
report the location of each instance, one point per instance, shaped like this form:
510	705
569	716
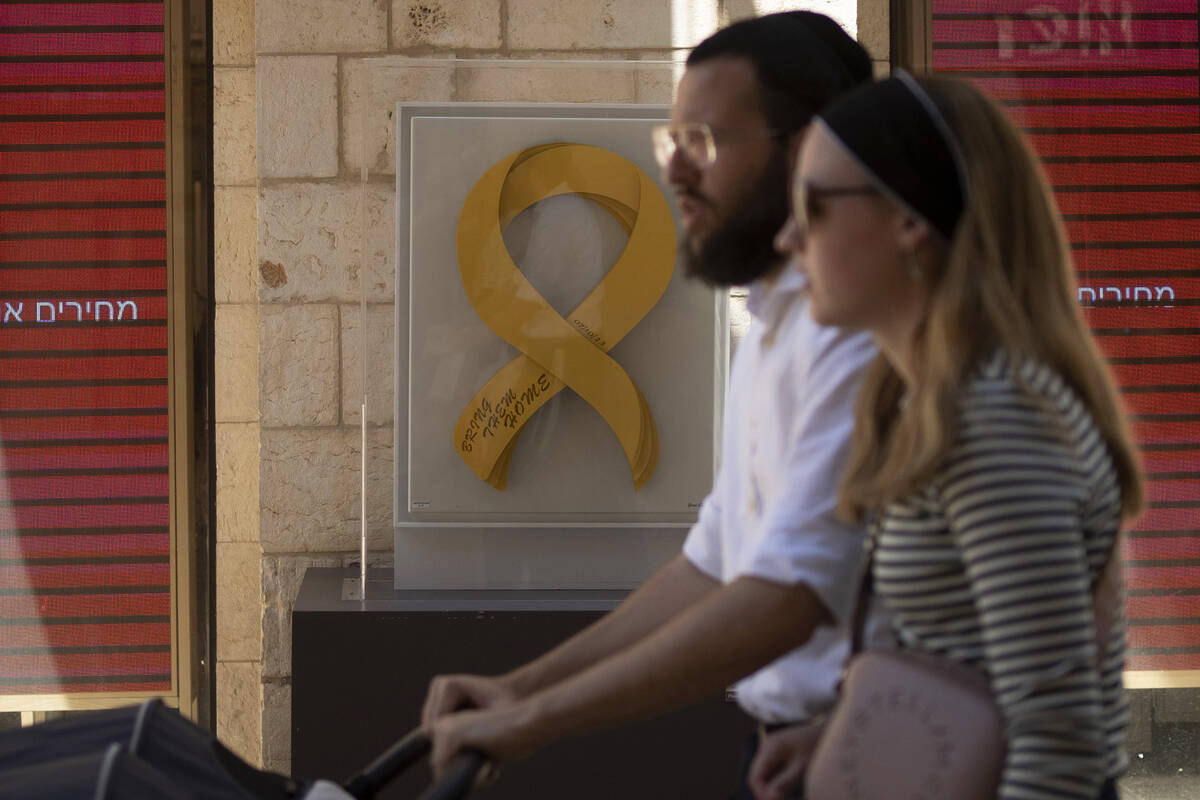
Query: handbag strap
1106	596
862	604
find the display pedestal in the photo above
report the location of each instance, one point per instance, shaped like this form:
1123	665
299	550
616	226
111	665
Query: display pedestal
360	671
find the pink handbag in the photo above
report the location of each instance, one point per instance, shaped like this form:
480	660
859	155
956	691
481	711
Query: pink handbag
909	724
912	724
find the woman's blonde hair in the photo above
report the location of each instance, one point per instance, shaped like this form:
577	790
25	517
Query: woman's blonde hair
1006	280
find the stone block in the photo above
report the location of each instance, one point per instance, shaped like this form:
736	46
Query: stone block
277	726
590	25
578	81
309	487
657	80
235	231
281	579
312	242
321	26
874	28
237	482
234	127
239	601
298	371
309	490
881	69
277	641
845	12
447	24
693	21
239	709
236	345
297	116
370	88
233	33
377	349
281	766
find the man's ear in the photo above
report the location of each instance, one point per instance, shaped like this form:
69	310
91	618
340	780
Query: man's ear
911	233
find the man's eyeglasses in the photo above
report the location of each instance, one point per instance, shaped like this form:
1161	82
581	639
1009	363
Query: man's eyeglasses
697	141
808	201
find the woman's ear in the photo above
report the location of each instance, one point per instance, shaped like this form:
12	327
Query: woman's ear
911	233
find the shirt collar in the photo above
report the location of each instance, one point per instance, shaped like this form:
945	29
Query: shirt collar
768	300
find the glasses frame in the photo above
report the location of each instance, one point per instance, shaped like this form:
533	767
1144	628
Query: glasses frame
665	139
805	193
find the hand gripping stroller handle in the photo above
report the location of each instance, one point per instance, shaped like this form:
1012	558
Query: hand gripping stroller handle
414	746
460	777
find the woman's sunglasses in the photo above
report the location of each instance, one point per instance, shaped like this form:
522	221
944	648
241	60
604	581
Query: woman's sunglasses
808	201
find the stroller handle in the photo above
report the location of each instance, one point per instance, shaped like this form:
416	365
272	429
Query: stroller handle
403	754
460	777
415	745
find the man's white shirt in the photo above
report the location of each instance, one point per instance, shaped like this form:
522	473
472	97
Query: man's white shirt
789	414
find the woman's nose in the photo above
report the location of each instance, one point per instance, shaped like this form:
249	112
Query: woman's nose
791	238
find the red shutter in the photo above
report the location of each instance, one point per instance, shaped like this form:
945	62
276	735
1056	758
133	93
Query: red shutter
1107	89
84	527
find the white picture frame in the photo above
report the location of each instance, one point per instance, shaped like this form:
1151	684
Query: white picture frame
568	474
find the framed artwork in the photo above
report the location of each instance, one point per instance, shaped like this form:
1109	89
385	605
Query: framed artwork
555	367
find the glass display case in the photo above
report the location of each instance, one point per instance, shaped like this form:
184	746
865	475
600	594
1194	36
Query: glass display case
557	377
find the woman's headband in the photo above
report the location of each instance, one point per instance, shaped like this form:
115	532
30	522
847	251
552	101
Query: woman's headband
894	132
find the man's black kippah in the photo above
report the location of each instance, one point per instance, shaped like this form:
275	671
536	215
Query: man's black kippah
849	57
895	133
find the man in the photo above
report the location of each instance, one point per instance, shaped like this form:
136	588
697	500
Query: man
767	577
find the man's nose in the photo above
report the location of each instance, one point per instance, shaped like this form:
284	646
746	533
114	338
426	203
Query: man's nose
680	169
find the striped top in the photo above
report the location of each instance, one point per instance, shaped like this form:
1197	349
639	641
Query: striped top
992	564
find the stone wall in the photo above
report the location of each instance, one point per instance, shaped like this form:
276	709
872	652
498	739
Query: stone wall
239	554
301	114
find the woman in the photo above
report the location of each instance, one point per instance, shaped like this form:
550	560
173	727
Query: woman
990	453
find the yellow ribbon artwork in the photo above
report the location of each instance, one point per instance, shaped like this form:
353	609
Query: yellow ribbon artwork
558	352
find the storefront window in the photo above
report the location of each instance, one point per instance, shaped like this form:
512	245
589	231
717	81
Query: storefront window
86	521
1107	91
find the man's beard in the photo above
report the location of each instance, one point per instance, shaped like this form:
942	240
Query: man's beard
742	249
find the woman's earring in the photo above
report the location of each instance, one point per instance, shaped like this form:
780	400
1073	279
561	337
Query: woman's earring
915	273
